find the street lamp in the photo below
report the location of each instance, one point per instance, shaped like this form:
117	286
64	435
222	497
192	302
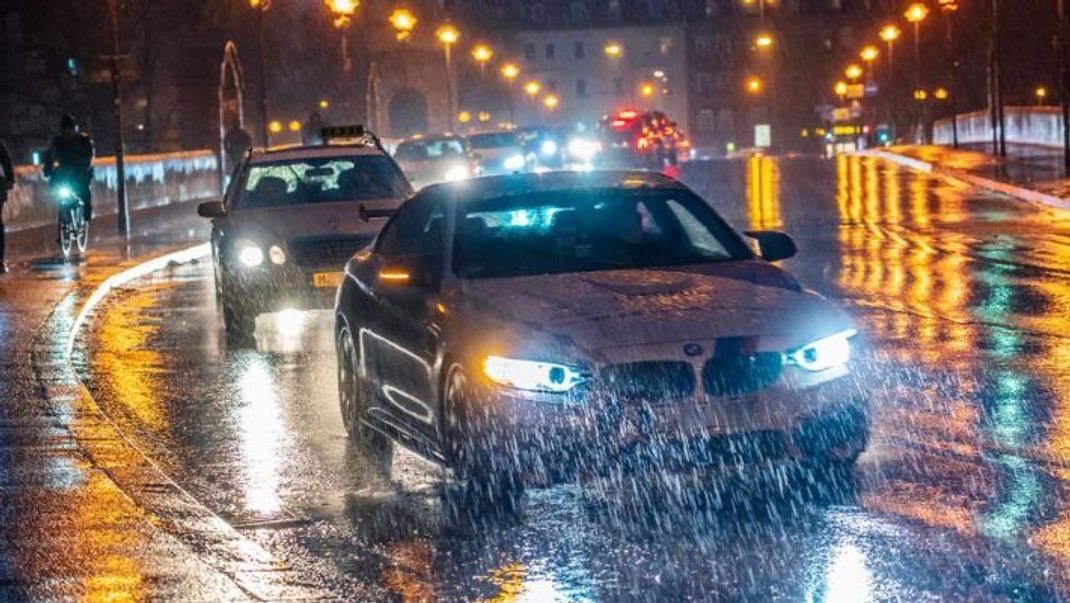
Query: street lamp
941	94
915	14
841	90
755	85
853	72
647	90
404	22
869	54
613	50
763	41
342	10
1041	93
510	71
448	35
532	88
261	7
482	54
551	101
949	7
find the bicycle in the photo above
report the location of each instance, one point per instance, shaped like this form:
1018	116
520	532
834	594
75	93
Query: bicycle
73	226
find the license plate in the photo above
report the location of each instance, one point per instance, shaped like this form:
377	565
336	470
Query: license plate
324	280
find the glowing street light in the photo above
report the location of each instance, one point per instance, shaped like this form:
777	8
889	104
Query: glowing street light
920	94
510	71
755	85
275	127
448	35
1041	93
404	22
343	11
613	50
763	41
551	101
890	33
324	104
532	88
464	117
647	90
841	90
869	54
916	12
941	94
482	54
853	72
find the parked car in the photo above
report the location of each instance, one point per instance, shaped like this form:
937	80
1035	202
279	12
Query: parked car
530	329
290	220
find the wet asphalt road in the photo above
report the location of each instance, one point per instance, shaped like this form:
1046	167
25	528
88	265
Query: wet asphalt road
962	496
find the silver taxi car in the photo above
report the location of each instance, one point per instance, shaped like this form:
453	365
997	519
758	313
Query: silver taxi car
290	220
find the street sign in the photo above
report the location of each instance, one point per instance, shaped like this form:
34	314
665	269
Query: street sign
841	114
871	88
763	136
856	91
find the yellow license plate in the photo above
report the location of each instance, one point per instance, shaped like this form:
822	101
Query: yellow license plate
323	280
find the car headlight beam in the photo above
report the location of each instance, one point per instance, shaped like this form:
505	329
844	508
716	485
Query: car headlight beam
514	162
249	253
456	173
548	148
277	255
532	375
825	353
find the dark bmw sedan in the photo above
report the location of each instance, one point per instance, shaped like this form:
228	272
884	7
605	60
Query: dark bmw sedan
530	329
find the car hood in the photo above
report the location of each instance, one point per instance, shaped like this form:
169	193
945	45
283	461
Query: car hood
601	310
279	224
495	154
424	172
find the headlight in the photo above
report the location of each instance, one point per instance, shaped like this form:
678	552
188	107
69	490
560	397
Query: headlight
532	376
823	354
582	149
64	192
276	255
455	173
515	162
249	253
548	148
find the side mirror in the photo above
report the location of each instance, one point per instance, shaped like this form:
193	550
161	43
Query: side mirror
212	209
774	246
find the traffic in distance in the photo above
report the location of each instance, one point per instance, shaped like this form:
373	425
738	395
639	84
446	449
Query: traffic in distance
528	318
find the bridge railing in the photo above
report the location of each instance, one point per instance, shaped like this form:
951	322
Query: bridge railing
151	181
1025	125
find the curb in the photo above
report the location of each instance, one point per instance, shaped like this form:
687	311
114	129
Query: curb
170	508
962	176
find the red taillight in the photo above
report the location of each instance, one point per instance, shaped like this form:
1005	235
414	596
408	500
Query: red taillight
619	123
627	114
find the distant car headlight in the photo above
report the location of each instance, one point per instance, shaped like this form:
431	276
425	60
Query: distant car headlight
249	253
531	375
582	149
825	353
548	148
455	173
515	162
276	255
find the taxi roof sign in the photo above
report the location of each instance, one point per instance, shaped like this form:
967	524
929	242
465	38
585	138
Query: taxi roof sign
353	131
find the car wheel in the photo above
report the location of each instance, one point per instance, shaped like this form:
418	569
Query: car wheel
469	449
238	323
353	403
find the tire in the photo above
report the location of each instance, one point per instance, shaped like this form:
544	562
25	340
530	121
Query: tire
82	231
469	451
238	323
353	403
65	234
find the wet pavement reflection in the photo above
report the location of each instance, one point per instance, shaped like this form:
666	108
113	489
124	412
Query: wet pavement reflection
964	298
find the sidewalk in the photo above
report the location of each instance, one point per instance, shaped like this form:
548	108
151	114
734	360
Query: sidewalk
83	514
1030	173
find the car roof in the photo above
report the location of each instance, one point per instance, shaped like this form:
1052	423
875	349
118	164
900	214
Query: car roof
516	184
289	153
431	138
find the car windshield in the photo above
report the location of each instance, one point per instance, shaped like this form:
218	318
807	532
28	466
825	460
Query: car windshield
430	150
494	140
551	233
322	180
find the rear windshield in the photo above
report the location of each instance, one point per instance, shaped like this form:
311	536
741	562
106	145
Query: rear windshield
551	233
426	150
322	180
494	140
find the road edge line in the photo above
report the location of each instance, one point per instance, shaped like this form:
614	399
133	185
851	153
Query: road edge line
961	176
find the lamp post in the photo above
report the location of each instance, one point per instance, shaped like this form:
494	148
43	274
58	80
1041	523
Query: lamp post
1064	80
482	54
916	13
261	7
343	11
117	105
448	35
948	8
995	79
510	71
889	34
403	22
869	54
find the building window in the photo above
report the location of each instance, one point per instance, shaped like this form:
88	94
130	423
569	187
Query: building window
538	13
614	10
705	121
579	13
578	51
529	52
581	88
550	51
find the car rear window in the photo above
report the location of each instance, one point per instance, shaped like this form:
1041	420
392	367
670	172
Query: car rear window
552	233
428	150
321	180
494	140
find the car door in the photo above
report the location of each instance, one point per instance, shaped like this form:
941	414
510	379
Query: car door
401	340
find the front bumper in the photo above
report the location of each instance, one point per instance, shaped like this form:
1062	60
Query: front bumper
263	289
828	422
